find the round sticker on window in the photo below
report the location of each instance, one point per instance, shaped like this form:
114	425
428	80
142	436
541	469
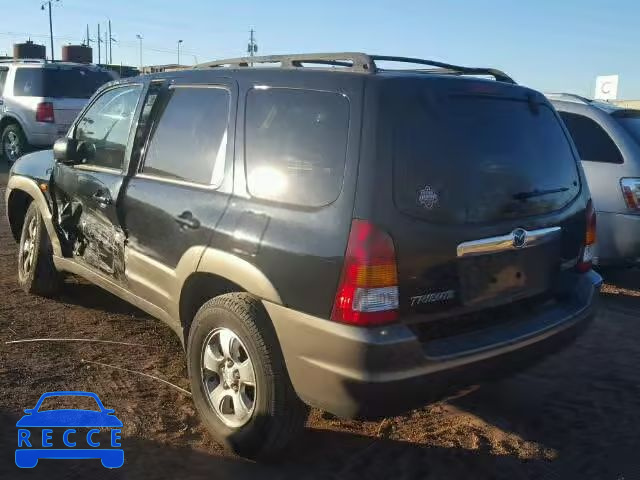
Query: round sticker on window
427	197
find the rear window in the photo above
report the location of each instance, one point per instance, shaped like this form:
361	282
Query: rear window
630	120
75	82
296	142
467	159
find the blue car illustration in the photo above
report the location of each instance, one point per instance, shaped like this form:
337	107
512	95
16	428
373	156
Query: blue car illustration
31	448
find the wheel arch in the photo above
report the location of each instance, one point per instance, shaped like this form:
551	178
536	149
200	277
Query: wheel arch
21	192
218	273
9	119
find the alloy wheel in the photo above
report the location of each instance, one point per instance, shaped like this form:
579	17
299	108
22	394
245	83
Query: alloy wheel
228	377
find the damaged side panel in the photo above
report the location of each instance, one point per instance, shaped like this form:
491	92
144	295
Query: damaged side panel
87	218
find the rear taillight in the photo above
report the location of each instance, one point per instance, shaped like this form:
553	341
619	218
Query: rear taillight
368	290
631	192
44	112
588	252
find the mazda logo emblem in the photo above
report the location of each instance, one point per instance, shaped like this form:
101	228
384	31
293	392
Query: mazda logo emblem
519	237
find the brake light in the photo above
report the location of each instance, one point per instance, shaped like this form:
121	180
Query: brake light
368	290
588	252
44	112
631	192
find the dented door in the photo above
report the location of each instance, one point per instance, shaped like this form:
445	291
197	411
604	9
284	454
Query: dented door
87	193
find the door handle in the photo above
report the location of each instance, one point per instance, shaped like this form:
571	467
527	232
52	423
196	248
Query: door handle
187	220
102	198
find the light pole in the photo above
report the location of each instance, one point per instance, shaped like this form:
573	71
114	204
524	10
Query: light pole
48	2
179	42
139	37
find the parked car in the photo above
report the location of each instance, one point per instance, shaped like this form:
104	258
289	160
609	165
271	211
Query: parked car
608	140
39	100
322	232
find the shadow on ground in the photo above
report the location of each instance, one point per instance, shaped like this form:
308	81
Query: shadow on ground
86	295
315	457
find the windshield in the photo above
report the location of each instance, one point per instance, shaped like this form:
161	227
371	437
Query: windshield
484	158
630	120
74	82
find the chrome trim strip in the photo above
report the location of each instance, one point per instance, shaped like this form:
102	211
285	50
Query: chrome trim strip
185	183
504	243
96	168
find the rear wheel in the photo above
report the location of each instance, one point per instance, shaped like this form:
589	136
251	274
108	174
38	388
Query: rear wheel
36	272
14	143
238	378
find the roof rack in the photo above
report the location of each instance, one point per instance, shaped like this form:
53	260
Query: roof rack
356	62
570	97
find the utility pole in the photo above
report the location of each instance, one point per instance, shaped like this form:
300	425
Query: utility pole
99	42
179	42
88	40
110	46
139	37
252	48
48	2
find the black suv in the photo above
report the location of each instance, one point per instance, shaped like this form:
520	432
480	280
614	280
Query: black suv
319	230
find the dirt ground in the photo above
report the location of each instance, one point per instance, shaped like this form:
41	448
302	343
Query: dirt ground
576	415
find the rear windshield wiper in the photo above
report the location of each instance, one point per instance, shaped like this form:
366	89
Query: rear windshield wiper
538	193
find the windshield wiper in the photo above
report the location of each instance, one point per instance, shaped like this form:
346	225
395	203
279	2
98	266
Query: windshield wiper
538	193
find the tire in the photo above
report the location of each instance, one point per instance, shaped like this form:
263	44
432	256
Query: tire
36	271
277	415
13	143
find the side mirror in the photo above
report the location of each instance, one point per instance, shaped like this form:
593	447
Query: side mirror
65	150
28	410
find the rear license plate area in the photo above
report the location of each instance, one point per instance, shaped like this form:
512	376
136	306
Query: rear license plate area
512	274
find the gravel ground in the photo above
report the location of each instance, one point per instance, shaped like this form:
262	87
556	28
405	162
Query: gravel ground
575	415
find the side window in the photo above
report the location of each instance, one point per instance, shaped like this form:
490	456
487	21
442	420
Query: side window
28	82
189	141
3	78
593	143
295	145
143	122
105	126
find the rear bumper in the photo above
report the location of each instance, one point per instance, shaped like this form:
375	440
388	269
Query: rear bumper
357	372
45	134
618	238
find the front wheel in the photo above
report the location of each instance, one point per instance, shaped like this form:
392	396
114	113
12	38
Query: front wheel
36	272
239	380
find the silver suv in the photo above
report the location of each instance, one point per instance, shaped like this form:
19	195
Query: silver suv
39	100
608	140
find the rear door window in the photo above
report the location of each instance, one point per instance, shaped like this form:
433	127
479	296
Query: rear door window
592	142
68	82
295	145
189	141
474	158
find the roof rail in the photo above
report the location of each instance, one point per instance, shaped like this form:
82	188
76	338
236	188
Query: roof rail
355	61
570	97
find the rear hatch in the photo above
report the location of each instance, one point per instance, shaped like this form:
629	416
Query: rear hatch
67	87
484	188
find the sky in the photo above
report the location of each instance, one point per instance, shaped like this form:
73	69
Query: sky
550	45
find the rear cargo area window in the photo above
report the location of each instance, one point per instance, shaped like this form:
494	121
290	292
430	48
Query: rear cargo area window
592	142
76	82
295	145
465	158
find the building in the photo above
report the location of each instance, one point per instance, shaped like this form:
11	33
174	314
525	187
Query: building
169	67
635	104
